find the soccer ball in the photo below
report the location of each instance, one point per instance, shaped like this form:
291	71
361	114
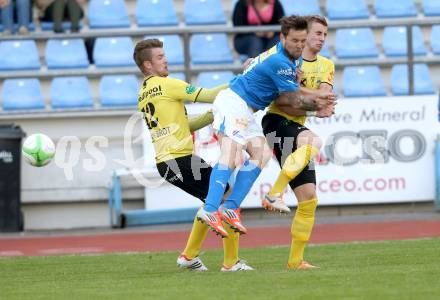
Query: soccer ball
38	150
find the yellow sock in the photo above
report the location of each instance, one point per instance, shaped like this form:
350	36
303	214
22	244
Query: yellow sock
230	247
195	240
301	229
293	165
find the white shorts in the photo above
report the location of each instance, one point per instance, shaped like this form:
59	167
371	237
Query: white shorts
234	118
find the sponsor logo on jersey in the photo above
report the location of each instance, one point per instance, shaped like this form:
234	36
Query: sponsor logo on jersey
285	72
190	89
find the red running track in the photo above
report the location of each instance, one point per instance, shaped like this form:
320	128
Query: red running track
176	240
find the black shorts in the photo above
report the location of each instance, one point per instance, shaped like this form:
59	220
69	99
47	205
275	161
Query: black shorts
281	135
189	173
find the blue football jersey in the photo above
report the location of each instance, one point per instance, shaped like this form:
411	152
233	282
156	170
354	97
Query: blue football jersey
270	74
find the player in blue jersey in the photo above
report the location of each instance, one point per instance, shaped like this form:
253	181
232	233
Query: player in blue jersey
271	75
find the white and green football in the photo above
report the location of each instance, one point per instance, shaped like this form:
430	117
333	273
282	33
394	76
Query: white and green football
38	150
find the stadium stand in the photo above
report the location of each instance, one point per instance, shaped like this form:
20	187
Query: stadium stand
66	53
395	9
119	90
172	46
210	49
212	79
422	80
431	7
203	12
355	43
108	14
62	97
395	41
113	52
133	29
365	81
156	13
301	7
325	51
19	55
179	75
347	9
22	94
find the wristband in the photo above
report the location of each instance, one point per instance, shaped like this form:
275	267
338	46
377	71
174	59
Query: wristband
310	113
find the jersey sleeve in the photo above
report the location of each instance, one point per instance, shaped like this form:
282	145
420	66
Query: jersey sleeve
181	90
283	75
329	73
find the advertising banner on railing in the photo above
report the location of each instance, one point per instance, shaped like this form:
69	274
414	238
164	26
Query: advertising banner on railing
376	150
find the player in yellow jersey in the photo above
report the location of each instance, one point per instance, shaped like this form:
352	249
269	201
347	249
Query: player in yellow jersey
161	99
298	145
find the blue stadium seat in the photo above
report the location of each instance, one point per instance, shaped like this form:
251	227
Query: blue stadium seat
69	53
301	7
113	52
108	14
172	46
325	51
210	49
362	82
422	80
431	7
118	90
394	8
179	75
201	12
213	79
435	39
394	41
347	9
19	55
70	92
156	13
22	94
355	43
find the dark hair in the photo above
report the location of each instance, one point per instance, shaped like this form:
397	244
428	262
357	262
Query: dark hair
292	22
142	51
316	19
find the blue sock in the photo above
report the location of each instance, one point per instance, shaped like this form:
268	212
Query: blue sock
243	182
217	184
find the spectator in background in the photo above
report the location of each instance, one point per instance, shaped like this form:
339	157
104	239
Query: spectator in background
22	8
254	13
57	11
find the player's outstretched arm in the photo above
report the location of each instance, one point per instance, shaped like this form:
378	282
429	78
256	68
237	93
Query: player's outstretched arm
208	95
201	121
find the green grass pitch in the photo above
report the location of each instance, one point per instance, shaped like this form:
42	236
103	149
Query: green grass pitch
374	270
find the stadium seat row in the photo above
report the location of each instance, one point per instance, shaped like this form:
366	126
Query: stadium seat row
204	49
367	81
358	9
122	90
114	13
109	52
75	92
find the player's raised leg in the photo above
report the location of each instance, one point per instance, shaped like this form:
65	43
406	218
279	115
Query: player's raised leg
308	145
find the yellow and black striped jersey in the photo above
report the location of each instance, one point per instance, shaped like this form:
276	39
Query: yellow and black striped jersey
320	70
